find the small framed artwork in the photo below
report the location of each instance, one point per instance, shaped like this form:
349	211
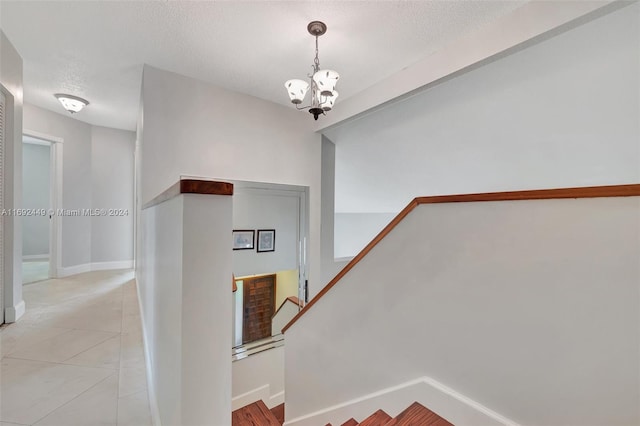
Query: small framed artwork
243	239
266	240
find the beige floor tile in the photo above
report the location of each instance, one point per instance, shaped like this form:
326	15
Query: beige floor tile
30	390
131	351
97	406
132	380
131	324
64	346
133	410
19	336
88	329
104	355
102	315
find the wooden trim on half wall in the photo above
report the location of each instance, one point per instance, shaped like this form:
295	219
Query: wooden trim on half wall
539	194
192	186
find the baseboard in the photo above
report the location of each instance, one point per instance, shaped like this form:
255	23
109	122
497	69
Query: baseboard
65	271
261	393
449	404
276	399
35	257
96	266
105	266
13	313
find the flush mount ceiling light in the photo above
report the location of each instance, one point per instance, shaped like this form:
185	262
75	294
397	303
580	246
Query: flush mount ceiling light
323	82
71	103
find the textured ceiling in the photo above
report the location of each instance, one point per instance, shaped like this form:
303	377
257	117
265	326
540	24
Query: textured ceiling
96	50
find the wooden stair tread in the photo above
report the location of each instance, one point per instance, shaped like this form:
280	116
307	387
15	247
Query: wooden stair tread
255	414
417	414
278	413
350	422
379	418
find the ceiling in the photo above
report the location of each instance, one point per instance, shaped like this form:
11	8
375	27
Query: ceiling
96	49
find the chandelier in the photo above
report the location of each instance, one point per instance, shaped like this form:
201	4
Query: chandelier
322	81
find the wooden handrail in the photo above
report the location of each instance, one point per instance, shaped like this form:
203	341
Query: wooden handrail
539	194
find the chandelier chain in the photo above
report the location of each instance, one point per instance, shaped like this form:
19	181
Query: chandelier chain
316	61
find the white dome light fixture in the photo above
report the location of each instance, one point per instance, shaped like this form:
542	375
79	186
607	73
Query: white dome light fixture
71	103
322	81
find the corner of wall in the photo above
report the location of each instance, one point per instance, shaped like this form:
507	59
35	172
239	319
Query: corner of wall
11	82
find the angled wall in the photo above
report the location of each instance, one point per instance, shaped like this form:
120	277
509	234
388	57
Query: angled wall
557	113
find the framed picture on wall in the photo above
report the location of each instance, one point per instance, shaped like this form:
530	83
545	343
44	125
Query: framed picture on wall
243	239
266	240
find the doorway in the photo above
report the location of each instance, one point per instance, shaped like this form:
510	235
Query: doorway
40	181
279	211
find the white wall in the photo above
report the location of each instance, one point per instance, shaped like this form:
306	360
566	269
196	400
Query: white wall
285	313
559	113
194	128
259	376
353	231
264	209
36	190
97	173
11	82
529	308
330	267
185	305
112	189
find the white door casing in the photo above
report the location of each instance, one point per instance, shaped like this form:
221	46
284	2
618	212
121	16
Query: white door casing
55	233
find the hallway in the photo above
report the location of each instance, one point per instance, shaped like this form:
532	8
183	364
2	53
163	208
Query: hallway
76	357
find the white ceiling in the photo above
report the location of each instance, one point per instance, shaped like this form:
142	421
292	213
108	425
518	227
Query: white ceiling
96	50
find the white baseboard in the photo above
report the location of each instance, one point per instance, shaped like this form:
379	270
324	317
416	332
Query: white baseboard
106	266
13	313
65	271
97	266
262	393
449	404
276	399
35	257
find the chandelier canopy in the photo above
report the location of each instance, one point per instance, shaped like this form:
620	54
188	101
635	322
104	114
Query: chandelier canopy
322	81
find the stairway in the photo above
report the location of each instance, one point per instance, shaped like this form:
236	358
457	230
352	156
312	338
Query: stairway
257	414
414	415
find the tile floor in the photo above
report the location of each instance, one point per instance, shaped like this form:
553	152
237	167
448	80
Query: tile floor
76	356
33	271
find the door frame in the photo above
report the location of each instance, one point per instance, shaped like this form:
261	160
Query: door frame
55	195
302	195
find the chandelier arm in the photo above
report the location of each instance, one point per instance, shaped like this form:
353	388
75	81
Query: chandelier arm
303	108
